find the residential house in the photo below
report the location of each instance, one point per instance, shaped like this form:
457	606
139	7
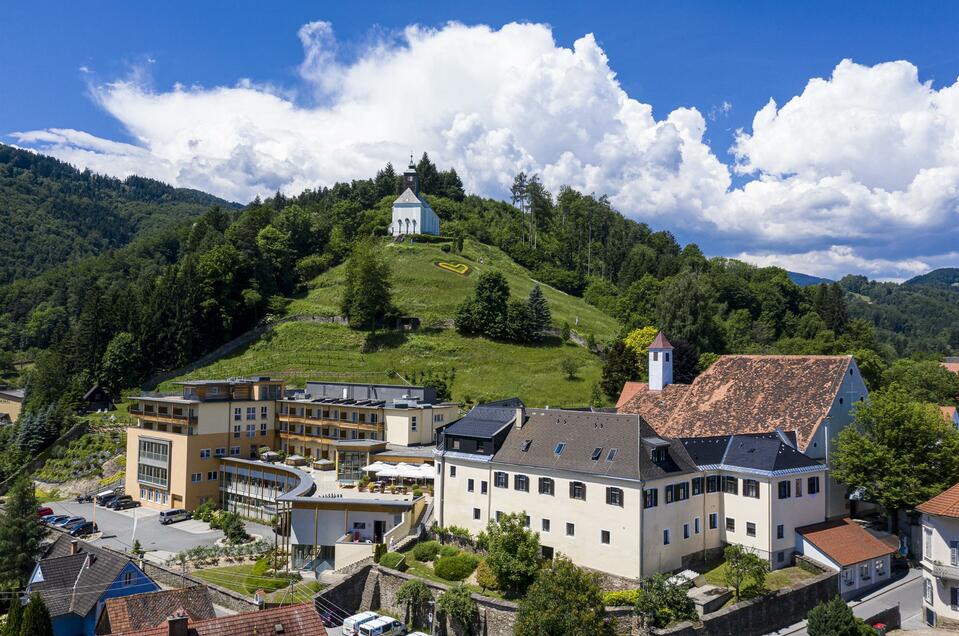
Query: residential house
97	400
11	403
151	609
841	545
609	492
812	397
76	579
940	559
289	620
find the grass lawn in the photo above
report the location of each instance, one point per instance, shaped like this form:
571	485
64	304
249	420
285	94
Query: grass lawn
775	580
303	592
485	370
425	571
240	579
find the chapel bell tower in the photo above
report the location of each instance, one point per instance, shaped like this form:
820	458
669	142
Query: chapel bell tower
410	180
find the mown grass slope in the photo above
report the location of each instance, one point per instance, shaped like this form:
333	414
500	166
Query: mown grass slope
484	369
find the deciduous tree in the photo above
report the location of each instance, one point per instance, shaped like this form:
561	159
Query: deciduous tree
563	600
512	552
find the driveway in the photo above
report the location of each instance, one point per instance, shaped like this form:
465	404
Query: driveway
905	592
117	528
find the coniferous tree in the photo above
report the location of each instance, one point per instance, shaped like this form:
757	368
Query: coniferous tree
539	313
386	182
11	627
428	175
20	535
835	618
36	618
367	296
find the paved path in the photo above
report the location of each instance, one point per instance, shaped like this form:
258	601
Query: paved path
905	592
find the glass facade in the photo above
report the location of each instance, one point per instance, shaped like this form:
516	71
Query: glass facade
349	467
251	491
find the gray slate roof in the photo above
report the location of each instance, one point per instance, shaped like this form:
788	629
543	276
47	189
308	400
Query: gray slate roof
766	452
408	197
485	420
582	433
73	583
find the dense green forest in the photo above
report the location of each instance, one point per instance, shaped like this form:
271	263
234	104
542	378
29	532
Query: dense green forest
942	277
192	283
54	214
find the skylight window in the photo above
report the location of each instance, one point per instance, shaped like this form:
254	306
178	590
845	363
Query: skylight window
525	445
597	453
611	455
560	448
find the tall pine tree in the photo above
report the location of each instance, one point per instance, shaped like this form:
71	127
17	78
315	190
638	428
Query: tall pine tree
539	314
20	535
11	626
36	618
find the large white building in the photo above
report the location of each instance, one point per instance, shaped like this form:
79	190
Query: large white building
411	214
940	559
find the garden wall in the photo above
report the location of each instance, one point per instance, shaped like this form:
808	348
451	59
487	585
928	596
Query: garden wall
764	614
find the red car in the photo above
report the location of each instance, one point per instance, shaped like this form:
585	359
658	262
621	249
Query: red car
43	511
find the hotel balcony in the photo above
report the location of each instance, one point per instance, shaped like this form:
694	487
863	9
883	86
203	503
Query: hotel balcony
327	422
179	419
945	571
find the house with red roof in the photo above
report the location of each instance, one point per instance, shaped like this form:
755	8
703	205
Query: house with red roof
940	559
863	560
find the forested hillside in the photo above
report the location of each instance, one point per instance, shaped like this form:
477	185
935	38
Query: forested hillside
52	213
942	277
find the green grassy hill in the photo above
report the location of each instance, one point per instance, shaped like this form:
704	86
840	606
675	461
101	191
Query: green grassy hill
485	369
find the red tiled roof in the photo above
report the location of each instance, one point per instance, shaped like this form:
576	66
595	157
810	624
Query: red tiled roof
741	394
629	390
845	542
297	620
951	366
948	413
660	342
142	611
945	504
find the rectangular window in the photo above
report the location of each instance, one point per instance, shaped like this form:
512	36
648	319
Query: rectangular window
476	513
730	524
954	553
780	557
927	590
501	480
812	485
666	536
570	530
696	525
750	529
413	424
614	497
865	573
251	430
697	486
263	428
954	598
785	489
251	412
237	414
546	486
196	478
526	521
204	453
927	543
880	567
235	451
499	515
799	487
730	485
713	520
669	493
577	490
780	532
751	488
650	497
545	525
483	487
521	482
712	483
236	431
264	411
685	530
220	452
682	491
470	485
211	476
452	471
604	536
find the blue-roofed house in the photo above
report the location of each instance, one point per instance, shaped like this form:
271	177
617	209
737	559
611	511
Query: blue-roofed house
75	580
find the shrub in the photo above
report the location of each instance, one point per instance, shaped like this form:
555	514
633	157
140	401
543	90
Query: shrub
233	527
621	598
485	578
449	550
260	568
378	551
426	550
415	596
458	603
394	561
456	568
417	492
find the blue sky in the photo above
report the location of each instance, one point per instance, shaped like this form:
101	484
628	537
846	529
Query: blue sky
131	87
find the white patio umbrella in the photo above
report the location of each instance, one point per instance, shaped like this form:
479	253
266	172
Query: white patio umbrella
376	467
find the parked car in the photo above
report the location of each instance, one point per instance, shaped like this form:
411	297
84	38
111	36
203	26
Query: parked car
384	626
70	525
123	504
83	529
52	520
116	501
63	522
352	624
173	516
84	498
43	511
104	497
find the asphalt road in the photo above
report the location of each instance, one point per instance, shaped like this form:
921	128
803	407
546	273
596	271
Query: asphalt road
905	592
117	528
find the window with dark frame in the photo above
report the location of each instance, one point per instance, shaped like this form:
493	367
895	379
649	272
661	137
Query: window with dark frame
546	486
730	485
501	480
730	524
751	488
577	490
713	520
812	485
650	498
604	536
697	486
785	489
614	496
521	482
750	529
712	483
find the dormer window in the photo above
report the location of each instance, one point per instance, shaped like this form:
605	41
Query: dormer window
658	455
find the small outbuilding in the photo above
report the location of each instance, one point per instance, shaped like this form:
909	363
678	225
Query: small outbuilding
863	560
97	400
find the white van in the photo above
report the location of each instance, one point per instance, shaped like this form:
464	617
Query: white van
173	516
352	624
385	626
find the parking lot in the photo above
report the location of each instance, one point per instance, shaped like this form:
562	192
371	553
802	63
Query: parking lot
119	528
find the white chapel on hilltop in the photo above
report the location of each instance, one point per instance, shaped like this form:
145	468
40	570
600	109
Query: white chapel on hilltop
411	214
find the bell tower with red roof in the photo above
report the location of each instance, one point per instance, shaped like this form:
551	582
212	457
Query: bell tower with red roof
660	363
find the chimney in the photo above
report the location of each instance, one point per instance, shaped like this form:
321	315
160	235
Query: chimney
74	546
177	625
520	416
259	597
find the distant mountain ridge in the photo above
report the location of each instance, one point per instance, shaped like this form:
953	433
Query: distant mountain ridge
942	277
53	214
806	280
